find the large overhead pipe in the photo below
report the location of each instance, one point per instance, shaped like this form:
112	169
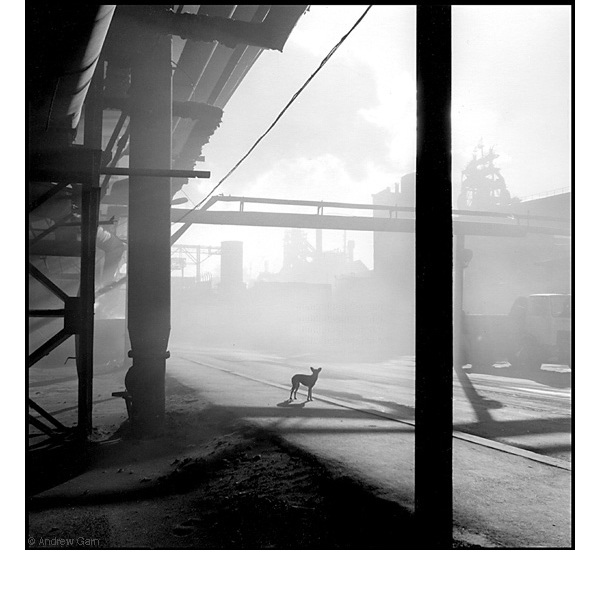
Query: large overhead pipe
64	46
149	261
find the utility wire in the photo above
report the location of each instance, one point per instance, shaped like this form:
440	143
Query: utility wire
292	100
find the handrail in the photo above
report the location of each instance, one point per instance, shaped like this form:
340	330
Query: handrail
391	209
546	194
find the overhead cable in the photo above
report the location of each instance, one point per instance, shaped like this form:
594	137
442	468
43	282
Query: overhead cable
292	100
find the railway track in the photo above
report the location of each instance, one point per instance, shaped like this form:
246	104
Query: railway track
373	410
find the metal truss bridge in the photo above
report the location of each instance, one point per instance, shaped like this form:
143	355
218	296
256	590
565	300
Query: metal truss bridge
396	219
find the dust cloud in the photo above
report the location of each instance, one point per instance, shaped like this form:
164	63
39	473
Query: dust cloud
321	303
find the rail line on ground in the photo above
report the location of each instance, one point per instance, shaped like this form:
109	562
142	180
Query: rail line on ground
466	437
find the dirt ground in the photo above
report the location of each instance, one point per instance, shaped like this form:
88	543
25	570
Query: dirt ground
210	481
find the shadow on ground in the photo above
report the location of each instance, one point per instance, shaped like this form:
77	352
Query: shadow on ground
552	378
210	482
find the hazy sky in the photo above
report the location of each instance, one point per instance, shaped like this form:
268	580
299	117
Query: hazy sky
351	133
512	87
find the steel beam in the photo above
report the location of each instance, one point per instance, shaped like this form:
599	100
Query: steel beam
40	425
54	342
142	172
433	377
318	204
107	155
47	283
90	209
51	229
46	415
56	248
55	189
314	221
260	219
121	145
270	34
84	340
75	164
47	312
149	261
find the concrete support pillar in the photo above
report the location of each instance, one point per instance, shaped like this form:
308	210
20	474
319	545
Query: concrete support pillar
149	262
433	378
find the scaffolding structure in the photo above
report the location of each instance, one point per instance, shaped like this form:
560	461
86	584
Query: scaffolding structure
184	255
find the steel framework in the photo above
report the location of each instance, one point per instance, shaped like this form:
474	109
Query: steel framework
81	165
78	167
182	255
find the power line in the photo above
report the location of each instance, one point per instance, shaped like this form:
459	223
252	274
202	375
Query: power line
285	108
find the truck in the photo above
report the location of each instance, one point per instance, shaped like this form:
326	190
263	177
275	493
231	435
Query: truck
537	330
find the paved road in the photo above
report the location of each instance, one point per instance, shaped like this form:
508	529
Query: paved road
531	411
501	495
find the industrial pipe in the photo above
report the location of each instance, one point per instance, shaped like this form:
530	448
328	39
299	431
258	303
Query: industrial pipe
66	45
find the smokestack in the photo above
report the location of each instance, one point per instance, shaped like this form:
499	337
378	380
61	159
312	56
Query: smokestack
350	251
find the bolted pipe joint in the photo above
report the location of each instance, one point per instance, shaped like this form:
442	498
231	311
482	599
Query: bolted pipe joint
144	385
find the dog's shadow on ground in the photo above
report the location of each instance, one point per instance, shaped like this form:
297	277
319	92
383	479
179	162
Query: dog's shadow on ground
292	404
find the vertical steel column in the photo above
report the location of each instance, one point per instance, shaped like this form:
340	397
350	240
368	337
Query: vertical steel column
149	262
459	281
433	384
90	206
